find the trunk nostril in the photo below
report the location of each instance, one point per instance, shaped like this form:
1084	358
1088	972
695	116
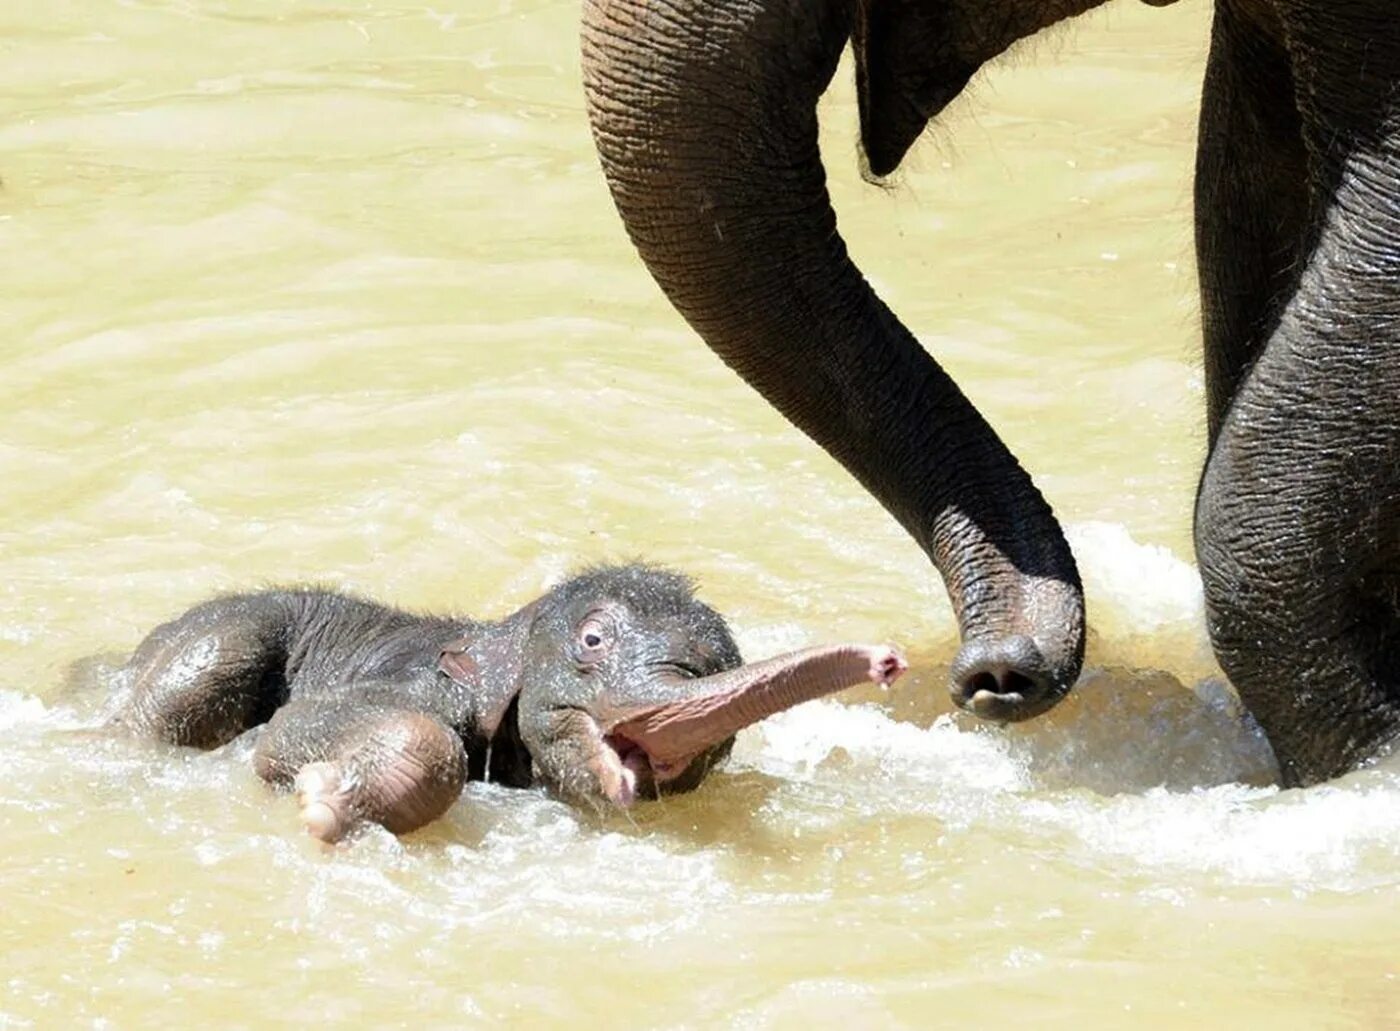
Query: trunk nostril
1002	682
981	682
1003	679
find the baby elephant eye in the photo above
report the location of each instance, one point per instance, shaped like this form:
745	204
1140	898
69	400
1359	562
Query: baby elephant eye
595	637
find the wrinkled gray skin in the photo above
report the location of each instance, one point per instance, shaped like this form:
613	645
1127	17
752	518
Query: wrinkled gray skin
615	685
704	116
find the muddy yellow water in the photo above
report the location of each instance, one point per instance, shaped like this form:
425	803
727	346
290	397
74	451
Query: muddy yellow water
334	292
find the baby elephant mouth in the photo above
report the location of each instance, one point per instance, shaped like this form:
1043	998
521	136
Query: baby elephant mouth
640	770
656	743
636	770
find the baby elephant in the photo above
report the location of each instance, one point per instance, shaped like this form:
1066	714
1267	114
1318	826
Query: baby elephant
616	684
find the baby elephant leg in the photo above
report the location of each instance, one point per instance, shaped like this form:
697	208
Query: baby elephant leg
352	762
204	678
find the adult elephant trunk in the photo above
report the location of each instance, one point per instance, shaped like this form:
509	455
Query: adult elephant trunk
704	114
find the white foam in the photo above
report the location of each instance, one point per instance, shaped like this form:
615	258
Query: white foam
1145	583
16	709
796	743
1323	837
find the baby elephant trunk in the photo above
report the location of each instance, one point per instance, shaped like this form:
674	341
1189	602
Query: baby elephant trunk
715	708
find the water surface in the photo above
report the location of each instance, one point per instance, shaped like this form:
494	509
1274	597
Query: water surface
334	292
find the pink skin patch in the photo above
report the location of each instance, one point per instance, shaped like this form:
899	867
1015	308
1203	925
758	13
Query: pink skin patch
323	801
616	773
636	762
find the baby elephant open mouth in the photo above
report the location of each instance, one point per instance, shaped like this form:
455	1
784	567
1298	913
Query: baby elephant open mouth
616	685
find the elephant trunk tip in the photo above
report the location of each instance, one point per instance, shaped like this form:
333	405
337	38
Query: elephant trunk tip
1004	679
886	667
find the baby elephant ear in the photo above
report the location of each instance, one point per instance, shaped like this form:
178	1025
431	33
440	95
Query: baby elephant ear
457	664
490	701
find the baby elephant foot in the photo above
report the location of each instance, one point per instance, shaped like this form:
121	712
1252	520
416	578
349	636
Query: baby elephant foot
368	763
324	794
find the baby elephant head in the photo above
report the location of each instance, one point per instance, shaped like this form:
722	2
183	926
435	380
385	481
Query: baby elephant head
632	688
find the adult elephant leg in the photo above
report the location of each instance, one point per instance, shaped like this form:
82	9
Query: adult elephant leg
704	113
1251	197
1298	519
